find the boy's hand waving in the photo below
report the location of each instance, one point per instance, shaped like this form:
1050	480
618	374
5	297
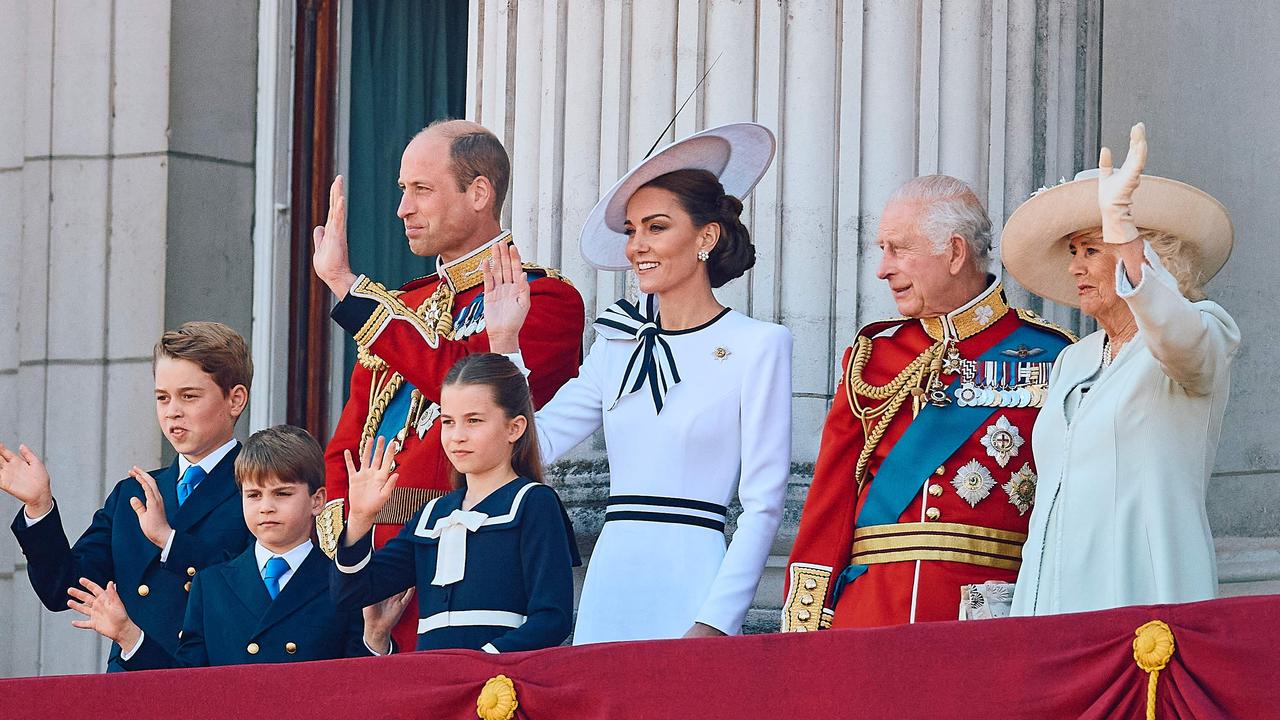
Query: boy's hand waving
104	612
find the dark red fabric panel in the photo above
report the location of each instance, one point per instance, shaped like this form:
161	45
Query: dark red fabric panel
1227	665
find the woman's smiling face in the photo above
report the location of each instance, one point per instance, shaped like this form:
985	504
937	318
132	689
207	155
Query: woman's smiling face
663	242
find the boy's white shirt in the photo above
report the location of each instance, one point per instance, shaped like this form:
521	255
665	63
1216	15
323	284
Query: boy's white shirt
293	557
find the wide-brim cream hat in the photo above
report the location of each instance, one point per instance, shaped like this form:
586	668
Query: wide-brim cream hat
1033	245
738	154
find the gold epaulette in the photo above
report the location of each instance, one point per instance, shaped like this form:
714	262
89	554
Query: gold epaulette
552	273
329	524
1031	318
803	609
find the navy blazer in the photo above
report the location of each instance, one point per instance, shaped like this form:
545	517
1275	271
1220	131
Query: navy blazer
231	620
517	589
209	529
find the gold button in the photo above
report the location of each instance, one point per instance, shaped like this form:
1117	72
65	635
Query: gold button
810	584
187	586
252	649
935	490
290	648
191	572
803	615
801	628
806	599
940	471
933	513
143	590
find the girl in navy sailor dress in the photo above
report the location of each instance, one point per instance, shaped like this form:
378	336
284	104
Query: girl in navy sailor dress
492	561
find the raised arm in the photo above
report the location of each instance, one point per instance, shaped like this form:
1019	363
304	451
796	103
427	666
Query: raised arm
1192	343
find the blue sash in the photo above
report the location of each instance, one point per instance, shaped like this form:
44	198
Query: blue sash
932	437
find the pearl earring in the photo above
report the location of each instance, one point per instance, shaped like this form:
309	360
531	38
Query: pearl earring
703	255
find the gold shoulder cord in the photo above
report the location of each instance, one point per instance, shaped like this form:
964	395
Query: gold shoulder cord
908	383
440	303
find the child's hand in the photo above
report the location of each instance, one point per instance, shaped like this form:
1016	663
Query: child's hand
380	618
151	517
369	486
23	476
105	613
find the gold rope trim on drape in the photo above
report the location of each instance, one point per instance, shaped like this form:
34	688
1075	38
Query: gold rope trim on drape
1152	648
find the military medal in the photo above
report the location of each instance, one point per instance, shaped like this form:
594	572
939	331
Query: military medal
1002	440
1022	488
973	482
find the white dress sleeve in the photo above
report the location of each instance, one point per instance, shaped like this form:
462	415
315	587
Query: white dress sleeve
1193	342
577	409
762	487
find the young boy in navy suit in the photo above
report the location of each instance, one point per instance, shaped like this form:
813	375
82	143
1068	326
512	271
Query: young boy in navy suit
155	529
271	603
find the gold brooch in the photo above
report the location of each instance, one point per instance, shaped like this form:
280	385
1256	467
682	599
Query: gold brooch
721	353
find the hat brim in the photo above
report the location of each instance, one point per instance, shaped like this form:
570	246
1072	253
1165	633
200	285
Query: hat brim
738	154
1033	246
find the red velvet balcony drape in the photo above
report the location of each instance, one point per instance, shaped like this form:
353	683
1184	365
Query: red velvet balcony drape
1226	665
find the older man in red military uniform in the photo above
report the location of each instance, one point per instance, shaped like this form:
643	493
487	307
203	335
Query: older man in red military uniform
454	178
924	480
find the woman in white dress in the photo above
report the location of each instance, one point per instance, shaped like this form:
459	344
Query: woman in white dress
1129	430
694	399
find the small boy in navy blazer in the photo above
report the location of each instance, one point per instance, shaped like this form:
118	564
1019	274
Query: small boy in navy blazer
269	604
157	529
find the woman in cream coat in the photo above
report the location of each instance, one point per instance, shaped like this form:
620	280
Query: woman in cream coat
1129	431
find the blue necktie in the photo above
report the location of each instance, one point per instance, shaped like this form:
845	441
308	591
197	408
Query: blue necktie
271	574
190	479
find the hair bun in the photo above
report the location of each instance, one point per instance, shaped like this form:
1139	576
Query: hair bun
730	207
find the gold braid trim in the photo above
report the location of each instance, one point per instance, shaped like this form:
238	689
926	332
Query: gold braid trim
909	382
803	610
1029	317
439	308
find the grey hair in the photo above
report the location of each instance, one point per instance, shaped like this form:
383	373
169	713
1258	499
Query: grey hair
949	207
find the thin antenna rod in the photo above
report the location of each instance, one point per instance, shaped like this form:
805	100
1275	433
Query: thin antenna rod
681	108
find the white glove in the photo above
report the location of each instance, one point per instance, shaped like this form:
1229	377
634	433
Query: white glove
1115	189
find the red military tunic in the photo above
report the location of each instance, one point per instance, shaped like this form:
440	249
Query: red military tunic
967	517
408	340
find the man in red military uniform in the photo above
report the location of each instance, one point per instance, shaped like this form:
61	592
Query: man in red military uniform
924	480
454	178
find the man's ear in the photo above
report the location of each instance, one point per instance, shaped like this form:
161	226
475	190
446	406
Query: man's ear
481	192
959	249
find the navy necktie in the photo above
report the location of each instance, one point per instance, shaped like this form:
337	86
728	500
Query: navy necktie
190	479
271	574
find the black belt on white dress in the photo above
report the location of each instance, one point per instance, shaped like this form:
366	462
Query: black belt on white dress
653	508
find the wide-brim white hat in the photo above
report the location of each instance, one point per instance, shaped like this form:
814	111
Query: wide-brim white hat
1033	245
738	154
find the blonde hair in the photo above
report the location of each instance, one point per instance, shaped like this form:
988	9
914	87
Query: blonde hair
1178	257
